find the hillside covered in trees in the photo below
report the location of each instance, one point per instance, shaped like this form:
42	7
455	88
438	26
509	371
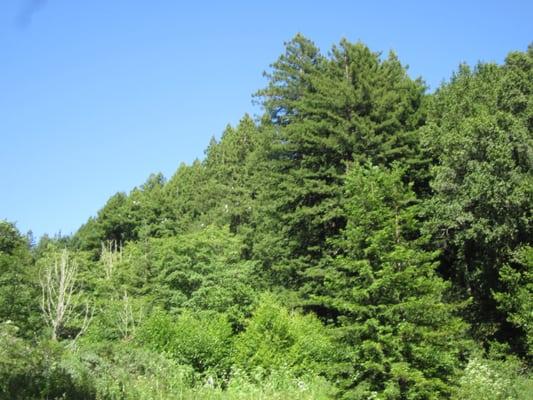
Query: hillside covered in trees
361	239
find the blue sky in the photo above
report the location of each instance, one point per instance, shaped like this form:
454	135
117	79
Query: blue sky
95	95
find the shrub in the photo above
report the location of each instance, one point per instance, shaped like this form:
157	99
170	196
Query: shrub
275	338
201	340
494	380
30	371
121	371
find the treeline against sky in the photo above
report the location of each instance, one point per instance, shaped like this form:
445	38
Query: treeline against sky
362	239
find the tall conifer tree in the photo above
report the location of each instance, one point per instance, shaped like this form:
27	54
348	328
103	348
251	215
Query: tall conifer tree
402	338
352	106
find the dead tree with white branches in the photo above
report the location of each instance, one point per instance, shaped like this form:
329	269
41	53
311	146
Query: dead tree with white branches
126	319
59	292
110	255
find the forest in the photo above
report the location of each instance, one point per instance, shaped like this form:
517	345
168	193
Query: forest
362	238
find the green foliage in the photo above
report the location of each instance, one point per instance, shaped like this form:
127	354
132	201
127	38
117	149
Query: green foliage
516	298
494	379
201	270
112	223
202	341
35	372
124	372
18	284
188	195
116	318
402	338
289	79
278	385
231	175
129	373
327	112
148	211
275	338
479	134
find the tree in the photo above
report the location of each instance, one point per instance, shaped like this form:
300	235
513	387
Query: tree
515	298
187	195
401	336
200	270
59	295
17	284
326	113
232	175
112	223
479	132
290	79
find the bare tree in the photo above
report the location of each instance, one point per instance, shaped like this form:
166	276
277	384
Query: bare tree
59	292
126	320
111	254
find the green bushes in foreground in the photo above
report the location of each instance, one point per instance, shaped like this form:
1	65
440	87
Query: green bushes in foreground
201	340
123	371
276	357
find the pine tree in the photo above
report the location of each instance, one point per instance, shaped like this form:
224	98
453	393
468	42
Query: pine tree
231	174
326	113
401	337
187	195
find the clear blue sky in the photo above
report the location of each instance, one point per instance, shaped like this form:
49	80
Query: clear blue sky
95	95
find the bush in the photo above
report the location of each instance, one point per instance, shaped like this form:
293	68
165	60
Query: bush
35	371
201	340
494	380
121	371
277	385
275	338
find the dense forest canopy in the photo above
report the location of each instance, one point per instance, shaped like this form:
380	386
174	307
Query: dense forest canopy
361	239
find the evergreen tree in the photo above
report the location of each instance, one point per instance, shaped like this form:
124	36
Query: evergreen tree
187	196
480	134
113	223
401	337
353	106
18	284
231	174
290	80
